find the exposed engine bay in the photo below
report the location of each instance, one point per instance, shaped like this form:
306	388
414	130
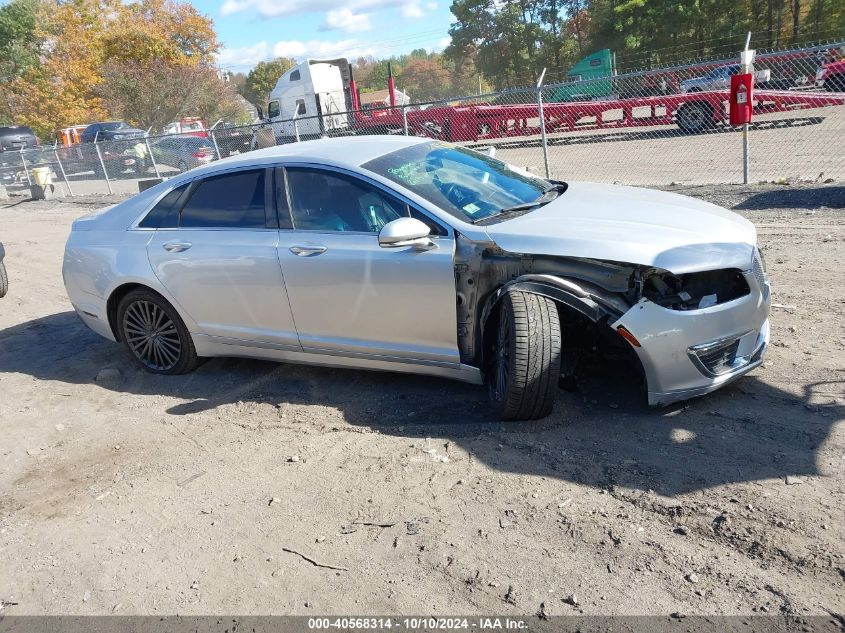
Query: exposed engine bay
596	291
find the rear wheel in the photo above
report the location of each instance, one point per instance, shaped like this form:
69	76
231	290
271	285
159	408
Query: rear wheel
695	117
525	365
4	280
155	334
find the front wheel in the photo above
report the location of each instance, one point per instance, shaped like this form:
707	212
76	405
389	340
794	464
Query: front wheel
155	334
523	372
4	280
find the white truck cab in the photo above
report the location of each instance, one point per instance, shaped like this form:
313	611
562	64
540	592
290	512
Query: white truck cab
311	99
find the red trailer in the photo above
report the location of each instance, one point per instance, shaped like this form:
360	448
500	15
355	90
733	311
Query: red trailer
693	113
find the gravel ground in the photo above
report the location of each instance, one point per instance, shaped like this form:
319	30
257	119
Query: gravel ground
123	492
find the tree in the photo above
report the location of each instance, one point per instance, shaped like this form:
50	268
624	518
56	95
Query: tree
428	80
151	96
263	77
87	50
19	42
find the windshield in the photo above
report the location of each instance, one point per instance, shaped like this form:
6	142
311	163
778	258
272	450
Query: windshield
113	125
464	183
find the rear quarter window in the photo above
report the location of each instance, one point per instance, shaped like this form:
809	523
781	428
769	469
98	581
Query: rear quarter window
166	213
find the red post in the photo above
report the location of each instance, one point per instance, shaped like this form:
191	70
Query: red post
353	92
391	87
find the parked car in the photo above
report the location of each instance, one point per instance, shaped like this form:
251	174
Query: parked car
233	139
4	278
407	254
110	131
183	152
717	79
13	138
831	76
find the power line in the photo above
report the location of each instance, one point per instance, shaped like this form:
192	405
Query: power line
420	38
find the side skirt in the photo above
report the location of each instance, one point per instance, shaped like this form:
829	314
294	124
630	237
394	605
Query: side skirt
215	346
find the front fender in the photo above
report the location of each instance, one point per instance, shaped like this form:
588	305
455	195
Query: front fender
587	299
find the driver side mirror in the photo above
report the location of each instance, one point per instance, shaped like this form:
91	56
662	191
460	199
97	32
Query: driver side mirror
405	232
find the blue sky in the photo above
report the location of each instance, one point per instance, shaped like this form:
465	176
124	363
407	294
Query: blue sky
251	31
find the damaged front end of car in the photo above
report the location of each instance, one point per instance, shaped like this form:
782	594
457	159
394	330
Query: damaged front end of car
686	334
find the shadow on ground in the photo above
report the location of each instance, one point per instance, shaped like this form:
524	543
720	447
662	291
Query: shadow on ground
603	435
805	198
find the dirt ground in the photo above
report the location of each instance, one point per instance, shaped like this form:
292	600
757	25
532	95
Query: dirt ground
142	494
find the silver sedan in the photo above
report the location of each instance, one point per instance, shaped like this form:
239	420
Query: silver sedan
406	254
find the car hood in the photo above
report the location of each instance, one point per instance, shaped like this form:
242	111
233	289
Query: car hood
632	225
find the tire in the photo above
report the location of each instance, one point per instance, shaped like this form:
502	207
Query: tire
155	334
695	117
525	362
4	280
182	166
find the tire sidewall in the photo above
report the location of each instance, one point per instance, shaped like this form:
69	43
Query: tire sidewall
187	354
4	280
505	310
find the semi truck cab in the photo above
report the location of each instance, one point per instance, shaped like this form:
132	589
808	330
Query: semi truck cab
311	99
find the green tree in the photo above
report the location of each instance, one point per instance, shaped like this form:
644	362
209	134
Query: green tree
262	79
19	41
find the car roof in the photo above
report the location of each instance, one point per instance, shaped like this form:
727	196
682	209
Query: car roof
346	151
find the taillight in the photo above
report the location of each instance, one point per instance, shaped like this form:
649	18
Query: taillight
202	153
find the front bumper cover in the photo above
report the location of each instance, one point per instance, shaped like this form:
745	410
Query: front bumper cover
670	338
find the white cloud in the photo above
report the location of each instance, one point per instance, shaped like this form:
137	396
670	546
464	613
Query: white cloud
412	10
272	8
347	21
298	49
245	56
438	48
431	6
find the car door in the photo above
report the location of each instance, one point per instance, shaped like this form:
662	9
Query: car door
349	295
219	259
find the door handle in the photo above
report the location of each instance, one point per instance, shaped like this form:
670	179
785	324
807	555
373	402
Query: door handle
177	247
308	251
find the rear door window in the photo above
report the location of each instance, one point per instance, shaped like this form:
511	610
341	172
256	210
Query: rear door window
235	200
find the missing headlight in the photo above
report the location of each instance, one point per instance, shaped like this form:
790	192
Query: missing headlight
694	291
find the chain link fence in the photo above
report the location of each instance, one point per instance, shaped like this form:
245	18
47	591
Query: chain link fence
650	127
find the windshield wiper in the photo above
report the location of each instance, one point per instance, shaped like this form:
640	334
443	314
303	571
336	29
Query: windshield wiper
545	197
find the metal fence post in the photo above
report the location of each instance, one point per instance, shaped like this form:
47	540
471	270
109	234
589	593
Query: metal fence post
103	165
25	168
296	127
745	154
152	158
543	122
747	67
64	175
405	120
216	148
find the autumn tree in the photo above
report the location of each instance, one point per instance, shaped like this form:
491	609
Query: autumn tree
263	77
101	59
